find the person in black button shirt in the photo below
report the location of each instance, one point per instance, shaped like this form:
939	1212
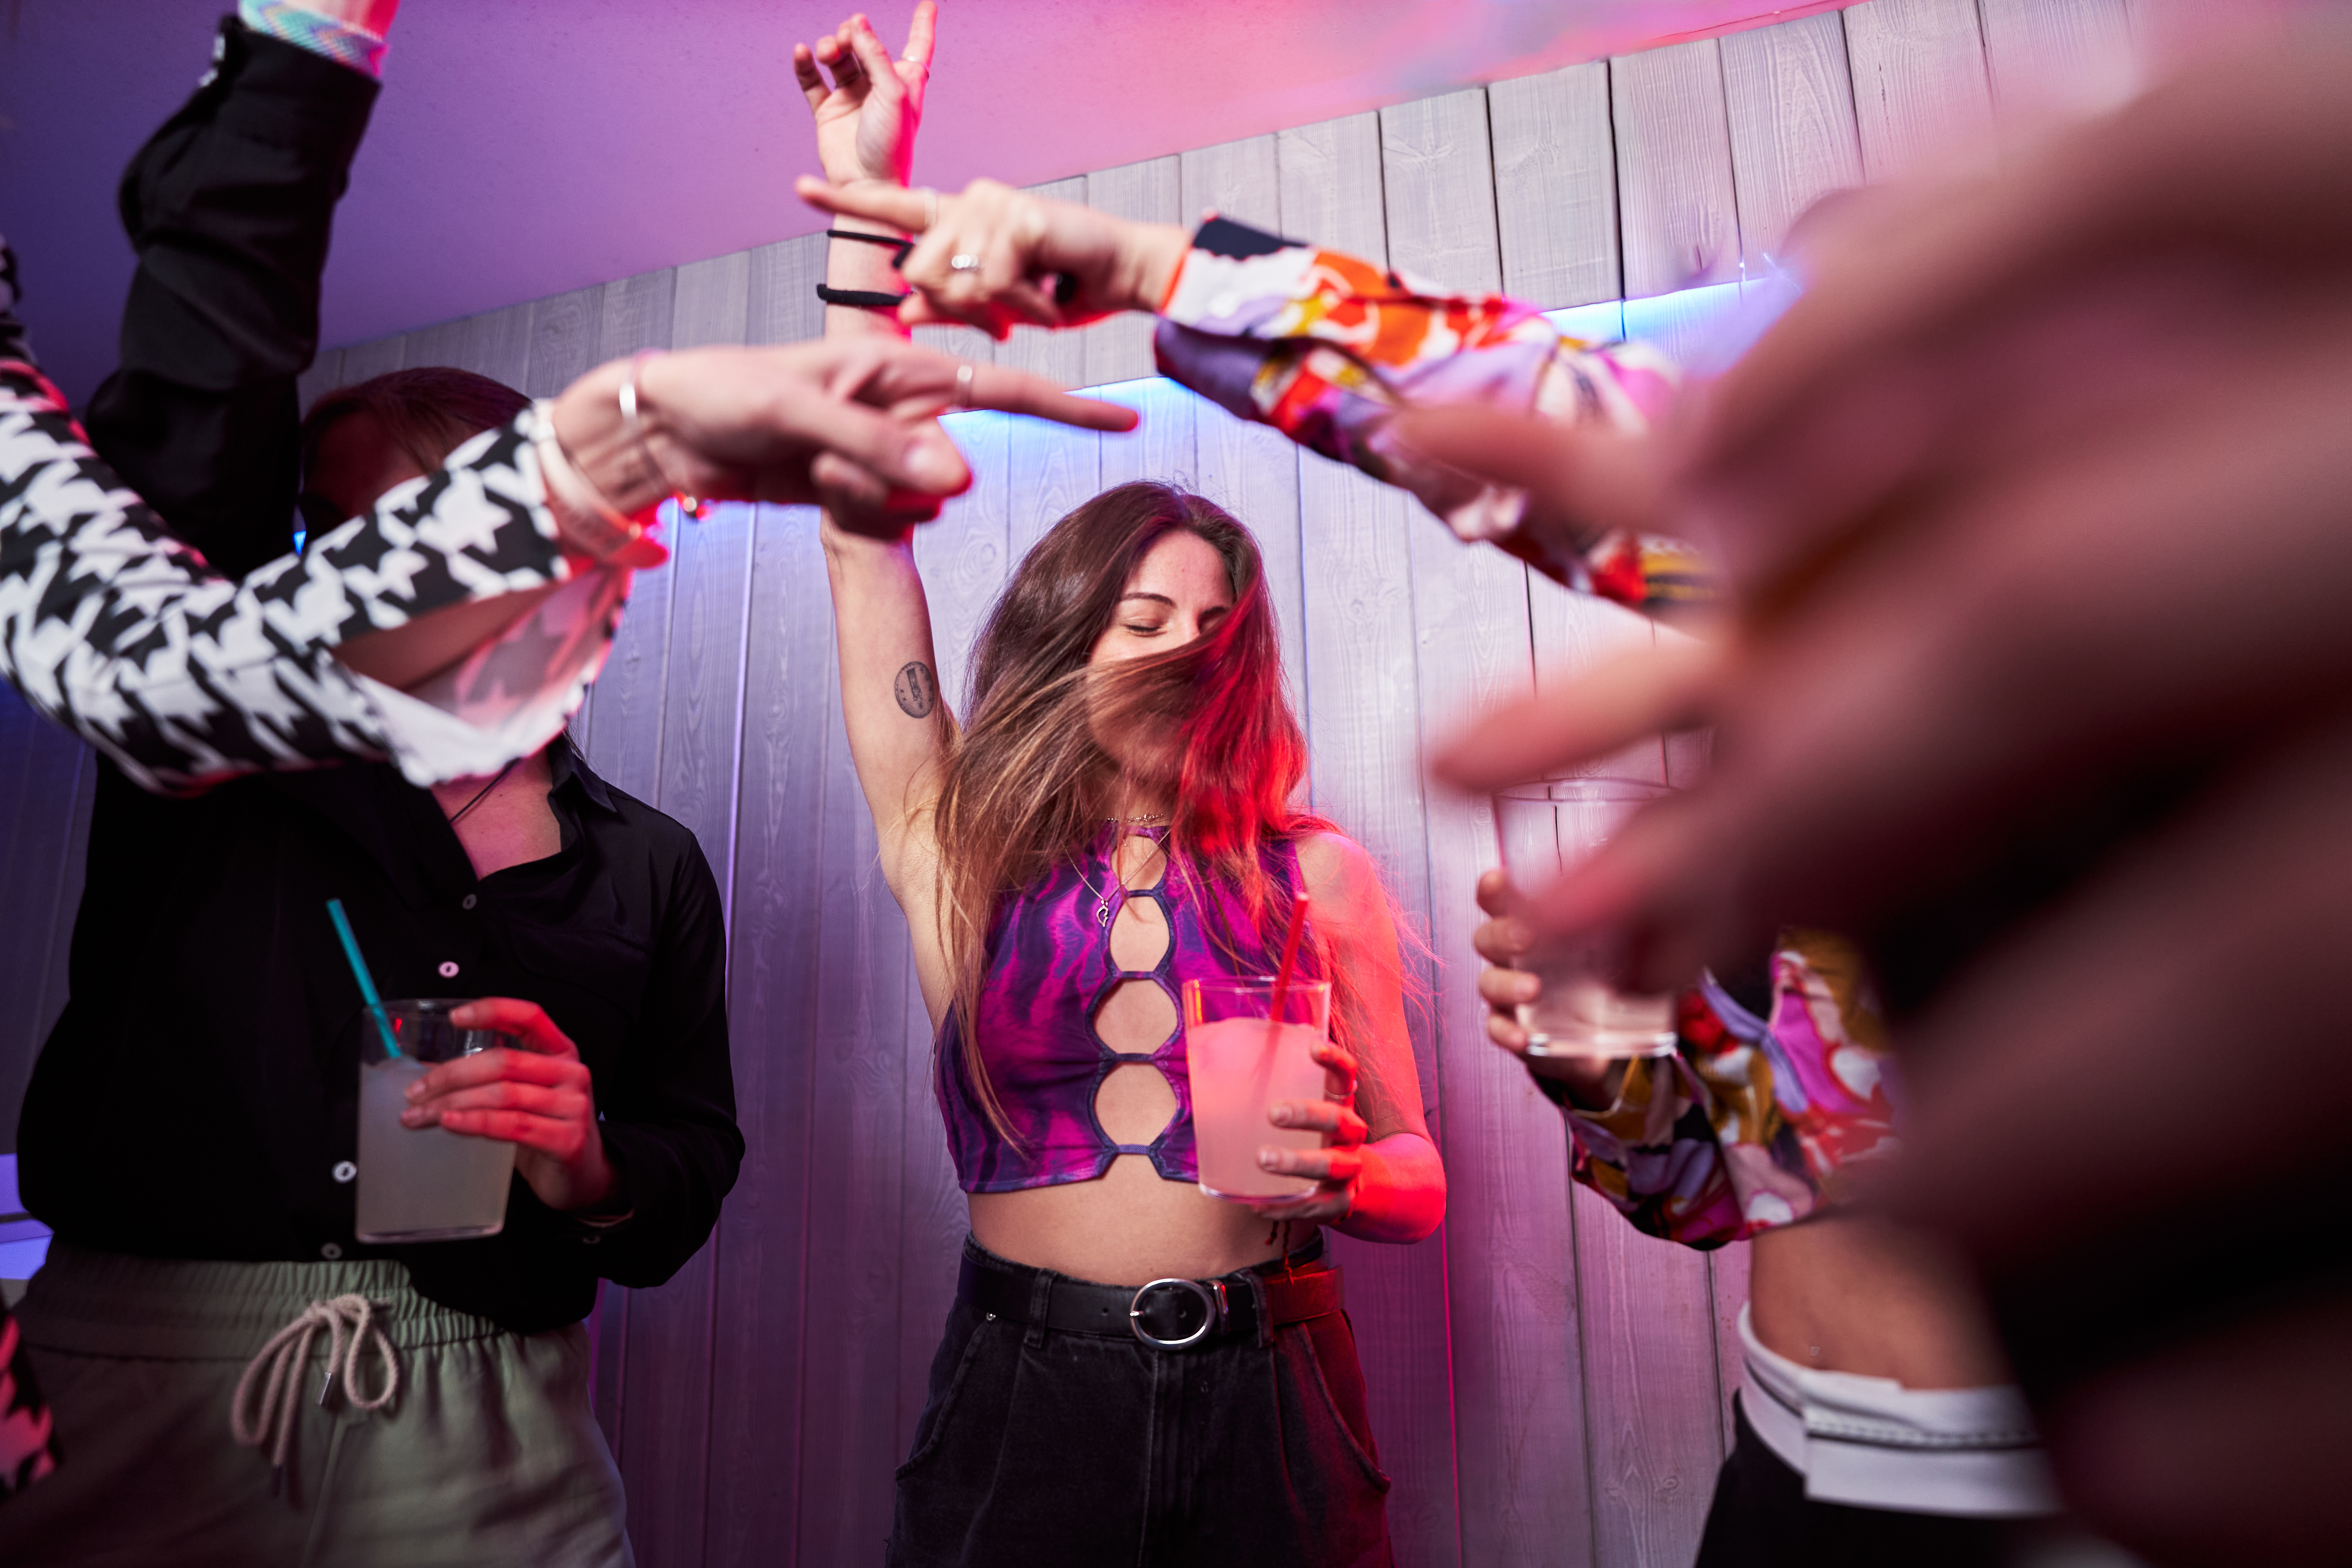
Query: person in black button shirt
190	1130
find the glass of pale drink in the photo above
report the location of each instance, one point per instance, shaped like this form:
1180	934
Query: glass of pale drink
425	1184
1242	1060
1547	829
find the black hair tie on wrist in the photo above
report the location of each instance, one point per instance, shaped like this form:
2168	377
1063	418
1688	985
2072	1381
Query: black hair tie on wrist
865	299
888	241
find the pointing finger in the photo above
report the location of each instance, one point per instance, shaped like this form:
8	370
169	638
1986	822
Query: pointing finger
900	207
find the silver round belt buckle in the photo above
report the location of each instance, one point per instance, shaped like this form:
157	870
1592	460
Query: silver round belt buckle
1178	1288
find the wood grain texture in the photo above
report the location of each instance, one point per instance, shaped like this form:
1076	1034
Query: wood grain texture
1120	349
42	780
756	1423
1726	1273
2054	59
1438	180
1675	195
564	330
1790	97
1364	729
379	356
1236	179
497	343
633	314
672	1344
1555	157
964	560
1921	100
857	1069
440	344
713	302
784	307
1329	175
1058	356
1652	1408
1053	469
1251	471
1511	1260
1164	446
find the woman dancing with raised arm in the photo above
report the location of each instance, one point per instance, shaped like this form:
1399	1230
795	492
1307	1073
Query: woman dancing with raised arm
1116	818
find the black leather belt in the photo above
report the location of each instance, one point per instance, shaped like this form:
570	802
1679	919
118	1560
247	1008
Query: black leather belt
1168	1314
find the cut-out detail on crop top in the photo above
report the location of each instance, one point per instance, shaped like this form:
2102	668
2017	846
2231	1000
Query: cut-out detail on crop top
1048	972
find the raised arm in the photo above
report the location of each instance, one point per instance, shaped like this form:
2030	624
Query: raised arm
899	721
1326	348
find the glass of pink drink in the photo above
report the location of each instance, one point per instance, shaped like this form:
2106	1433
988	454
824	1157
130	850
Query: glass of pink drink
1243	1060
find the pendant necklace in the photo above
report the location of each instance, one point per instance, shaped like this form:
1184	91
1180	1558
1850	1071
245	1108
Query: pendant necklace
1102	900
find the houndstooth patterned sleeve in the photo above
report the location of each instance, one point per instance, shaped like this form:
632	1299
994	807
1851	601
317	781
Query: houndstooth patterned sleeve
115	630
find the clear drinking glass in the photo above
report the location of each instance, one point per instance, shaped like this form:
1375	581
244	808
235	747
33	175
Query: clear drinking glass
1242	1059
1547	829
424	1183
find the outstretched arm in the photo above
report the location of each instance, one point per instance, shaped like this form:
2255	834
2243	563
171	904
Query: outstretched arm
228	209
1326	348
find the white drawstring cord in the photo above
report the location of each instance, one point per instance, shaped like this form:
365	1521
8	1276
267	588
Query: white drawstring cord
288	1351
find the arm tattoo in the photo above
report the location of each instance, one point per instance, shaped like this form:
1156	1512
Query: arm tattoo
918	690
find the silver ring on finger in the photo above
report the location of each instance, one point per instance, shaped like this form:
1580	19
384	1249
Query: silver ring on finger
963	261
963	384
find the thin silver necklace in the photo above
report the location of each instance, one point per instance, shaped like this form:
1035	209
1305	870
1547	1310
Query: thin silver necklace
1102	900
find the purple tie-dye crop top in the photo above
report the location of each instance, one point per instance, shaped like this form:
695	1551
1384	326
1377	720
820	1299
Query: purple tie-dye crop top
1048	971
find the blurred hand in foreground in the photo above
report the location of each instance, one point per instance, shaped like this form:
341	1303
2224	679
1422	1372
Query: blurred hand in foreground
2039	511
846	421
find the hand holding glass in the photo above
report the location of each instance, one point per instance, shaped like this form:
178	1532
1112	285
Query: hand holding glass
1242	1060
1547	830
425	1184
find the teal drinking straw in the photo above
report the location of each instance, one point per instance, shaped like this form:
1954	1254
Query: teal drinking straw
360	973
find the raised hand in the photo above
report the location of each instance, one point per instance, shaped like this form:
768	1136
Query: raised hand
866	121
996	258
849	421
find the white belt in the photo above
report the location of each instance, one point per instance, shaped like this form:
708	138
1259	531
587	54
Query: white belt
1870	1442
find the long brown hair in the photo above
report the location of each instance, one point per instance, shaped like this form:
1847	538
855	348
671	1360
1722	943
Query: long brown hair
1029	781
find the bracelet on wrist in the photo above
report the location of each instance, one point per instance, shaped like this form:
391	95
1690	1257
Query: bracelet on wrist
890	241
863	299
687	504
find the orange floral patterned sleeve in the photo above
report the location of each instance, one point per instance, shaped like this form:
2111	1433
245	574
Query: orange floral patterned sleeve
1328	348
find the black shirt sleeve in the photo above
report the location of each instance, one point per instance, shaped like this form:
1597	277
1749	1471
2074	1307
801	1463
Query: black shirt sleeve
229	207
668	1113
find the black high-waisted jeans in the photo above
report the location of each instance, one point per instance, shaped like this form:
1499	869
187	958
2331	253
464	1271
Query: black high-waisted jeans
1043	1448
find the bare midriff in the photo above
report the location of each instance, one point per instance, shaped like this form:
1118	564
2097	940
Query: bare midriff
1847	1292
1132	1225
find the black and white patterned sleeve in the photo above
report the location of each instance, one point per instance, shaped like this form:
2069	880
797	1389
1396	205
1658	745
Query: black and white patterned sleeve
115	630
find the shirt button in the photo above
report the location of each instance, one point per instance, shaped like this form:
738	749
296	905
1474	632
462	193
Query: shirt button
448	969
330	1252
466	902
345	1170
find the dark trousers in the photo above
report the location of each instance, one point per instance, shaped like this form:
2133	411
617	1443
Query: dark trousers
1762	1519
1038	1447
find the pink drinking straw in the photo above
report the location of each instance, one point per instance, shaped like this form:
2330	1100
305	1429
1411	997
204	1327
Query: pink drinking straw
1289	954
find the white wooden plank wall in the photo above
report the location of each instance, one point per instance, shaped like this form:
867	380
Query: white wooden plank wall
1548	1386
1556	185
